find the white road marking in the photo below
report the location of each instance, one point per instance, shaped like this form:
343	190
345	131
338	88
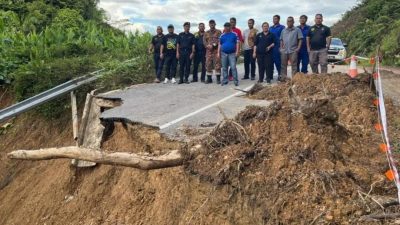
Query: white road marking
203	109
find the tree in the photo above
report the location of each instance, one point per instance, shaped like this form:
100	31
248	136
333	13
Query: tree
38	16
68	19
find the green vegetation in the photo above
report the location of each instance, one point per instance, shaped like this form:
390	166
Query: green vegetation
47	42
371	24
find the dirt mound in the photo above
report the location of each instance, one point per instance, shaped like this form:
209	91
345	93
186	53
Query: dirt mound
309	157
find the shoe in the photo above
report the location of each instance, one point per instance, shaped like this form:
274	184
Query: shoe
245	78
223	84
268	81
209	79
253	78
173	81
260	81
180	82
236	84
218	79
279	78
283	80
166	81
156	80
202	81
187	82
193	81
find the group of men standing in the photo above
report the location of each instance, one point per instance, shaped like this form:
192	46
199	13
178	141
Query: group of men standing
215	49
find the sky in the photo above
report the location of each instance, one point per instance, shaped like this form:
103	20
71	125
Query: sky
146	15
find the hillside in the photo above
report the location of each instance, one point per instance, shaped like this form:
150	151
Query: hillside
370	24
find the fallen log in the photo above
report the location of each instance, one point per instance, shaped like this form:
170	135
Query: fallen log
171	159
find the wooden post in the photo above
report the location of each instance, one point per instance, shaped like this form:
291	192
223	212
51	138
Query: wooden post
75	125
82	129
85	115
74	116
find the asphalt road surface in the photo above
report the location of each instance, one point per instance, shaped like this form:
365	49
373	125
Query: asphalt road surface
179	110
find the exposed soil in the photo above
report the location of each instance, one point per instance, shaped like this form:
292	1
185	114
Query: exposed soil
307	159
312	153
6	98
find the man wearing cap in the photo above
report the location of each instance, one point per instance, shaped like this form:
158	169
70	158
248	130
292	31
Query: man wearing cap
200	55
318	42
290	40
277	29
185	53
155	48
303	53
211	42
170	60
228	49
249	36
263	51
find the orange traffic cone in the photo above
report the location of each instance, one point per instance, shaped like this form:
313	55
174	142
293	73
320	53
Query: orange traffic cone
353	67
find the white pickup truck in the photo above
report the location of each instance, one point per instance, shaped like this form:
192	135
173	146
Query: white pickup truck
337	50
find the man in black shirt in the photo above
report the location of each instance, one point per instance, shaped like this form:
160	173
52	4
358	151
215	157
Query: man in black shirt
318	41
185	53
263	46
170	60
155	48
200	56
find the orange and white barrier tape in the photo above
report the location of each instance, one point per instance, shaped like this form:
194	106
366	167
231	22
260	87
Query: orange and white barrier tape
348	60
392	174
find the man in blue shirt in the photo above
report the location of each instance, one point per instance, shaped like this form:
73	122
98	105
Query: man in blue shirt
276	29
228	49
303	53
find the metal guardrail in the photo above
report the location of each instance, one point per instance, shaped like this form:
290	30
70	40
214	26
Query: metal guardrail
48	95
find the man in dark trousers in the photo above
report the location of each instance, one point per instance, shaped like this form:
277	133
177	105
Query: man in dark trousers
318	42
169	49
200	55
185	53
249	36
277	29
303	53
155	48
263	51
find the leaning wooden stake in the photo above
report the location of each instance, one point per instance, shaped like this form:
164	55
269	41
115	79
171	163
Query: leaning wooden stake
171	159
75	125
74	115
